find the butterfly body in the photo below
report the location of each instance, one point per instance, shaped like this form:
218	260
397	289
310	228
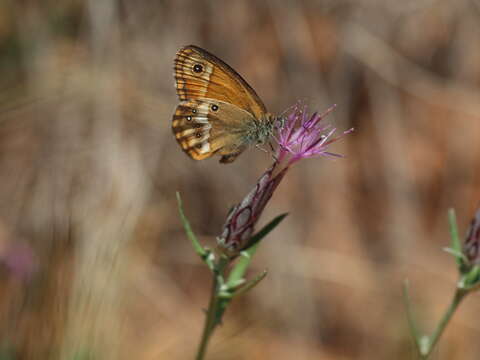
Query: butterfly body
219	113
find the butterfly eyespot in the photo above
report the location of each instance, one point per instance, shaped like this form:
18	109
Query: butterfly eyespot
194	111
198	146
189	118
214	107
197	68
197	126
198	135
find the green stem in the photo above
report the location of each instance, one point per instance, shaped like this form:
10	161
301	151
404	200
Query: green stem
209	321
214	311
433	339
411	319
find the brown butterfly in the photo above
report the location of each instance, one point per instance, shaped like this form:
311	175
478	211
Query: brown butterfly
219	113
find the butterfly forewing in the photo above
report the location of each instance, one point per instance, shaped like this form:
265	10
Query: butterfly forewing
199	74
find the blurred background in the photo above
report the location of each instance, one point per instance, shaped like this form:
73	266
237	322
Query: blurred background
94	263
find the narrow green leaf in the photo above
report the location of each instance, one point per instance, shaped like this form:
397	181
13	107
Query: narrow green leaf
472	278
238	271
266	230
188	230
456	253
411	319
251	284
456	245
235	285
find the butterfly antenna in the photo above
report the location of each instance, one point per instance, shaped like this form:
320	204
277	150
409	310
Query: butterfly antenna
289	109
258	146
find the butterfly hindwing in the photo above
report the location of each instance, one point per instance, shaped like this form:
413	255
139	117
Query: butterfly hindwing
206	127
199	74
192	130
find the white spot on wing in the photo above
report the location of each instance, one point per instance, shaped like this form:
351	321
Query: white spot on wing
203	108
194	141
187	132
205	148
201	119
208	71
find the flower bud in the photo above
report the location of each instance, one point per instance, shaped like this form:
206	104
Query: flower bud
471	246
241	220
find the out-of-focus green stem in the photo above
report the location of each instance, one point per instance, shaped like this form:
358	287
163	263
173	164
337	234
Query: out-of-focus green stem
469	280
215	309
209	321
188	229
411	319
433	339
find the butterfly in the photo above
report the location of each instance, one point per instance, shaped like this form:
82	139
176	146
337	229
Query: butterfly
219	113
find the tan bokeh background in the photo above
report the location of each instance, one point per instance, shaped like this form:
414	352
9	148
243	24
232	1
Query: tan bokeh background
89	170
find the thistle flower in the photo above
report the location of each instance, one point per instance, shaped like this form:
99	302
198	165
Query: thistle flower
304	136
471	246
301	136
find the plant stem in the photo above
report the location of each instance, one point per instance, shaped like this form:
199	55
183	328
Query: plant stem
209	321
214	311
433	339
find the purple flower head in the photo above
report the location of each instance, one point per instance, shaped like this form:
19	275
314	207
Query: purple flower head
471	247
304	136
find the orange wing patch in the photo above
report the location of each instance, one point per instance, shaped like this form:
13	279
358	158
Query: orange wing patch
199	74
